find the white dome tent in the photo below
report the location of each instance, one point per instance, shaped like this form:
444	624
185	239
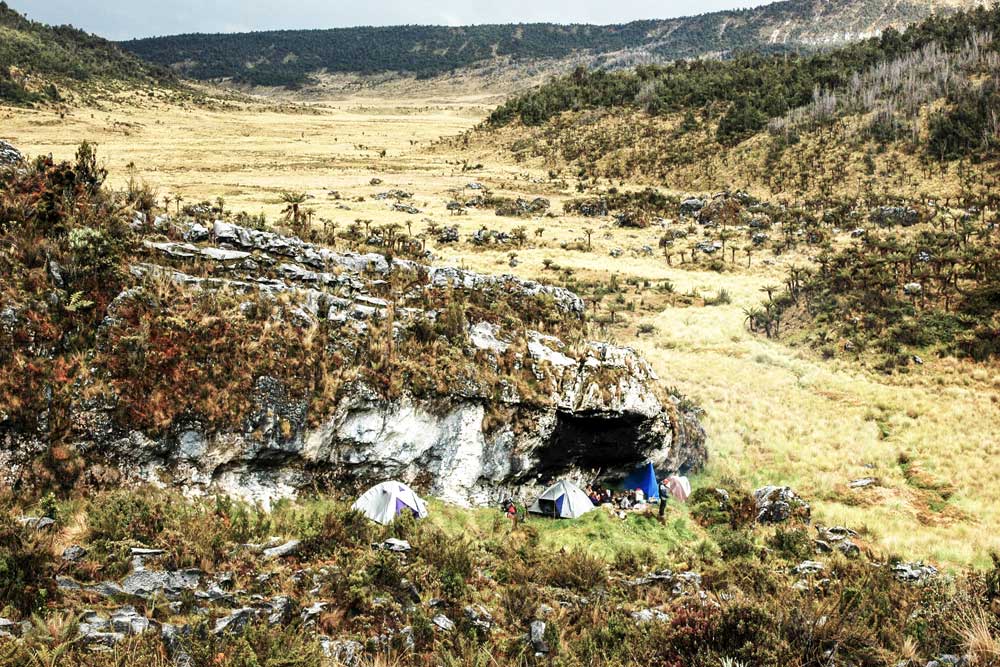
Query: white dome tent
384	502
563	500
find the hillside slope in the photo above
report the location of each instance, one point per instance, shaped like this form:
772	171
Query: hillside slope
36	60
879	159
927	95
289	57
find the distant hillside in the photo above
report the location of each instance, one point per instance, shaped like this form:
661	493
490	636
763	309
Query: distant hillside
930	92
36	60
288	58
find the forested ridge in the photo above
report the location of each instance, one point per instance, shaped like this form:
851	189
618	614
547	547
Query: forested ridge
289	57
751	90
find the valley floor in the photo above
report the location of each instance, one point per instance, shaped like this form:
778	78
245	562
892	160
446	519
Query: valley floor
774	413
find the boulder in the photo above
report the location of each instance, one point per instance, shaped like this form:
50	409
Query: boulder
147	583
287	549
235	622
776	504
9	155
536	638
443	622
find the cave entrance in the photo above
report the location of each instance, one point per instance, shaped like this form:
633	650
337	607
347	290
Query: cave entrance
612	443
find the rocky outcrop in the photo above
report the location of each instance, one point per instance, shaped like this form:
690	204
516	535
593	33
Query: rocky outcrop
557	409
9	155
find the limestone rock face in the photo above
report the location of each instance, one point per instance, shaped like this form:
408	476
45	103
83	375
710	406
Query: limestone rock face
9	155
583	407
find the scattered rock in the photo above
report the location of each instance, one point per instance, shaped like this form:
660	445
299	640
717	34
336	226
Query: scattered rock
691	206
914	572
282	608
146	583
443	622
312	613
128	621
776	504
9	628
536	637
9	155
808	567
346	652
196	233
73	553
887	216
236	622
650	616
397	545
949	660
479	617
36	522
287	549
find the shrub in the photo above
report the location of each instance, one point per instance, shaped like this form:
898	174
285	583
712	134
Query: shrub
735	543
574	569
793	543
26	580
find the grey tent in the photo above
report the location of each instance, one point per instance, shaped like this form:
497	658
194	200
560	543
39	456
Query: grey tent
384	502
562	500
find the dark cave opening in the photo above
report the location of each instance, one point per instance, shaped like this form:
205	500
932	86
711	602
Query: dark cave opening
611	443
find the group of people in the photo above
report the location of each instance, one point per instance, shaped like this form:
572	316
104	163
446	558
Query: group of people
675	486
625	500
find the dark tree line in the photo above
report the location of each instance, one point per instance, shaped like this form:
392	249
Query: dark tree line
289	57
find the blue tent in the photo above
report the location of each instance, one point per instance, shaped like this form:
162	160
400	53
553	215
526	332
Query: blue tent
644	477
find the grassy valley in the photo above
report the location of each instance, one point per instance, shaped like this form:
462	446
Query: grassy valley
804	247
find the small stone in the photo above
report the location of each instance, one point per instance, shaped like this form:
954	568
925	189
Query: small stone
286	549
312	613
808	567
73	554
393	544
536	637
234	623
443	622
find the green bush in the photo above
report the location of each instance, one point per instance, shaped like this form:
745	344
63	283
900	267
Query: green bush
792	543
575	569
26	580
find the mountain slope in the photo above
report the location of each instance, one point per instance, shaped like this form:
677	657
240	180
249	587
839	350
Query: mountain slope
289	57
929	91
36	58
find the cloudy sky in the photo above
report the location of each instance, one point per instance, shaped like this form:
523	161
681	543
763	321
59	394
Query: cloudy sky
123	19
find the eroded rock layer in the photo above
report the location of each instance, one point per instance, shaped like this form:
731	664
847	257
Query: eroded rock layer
381	368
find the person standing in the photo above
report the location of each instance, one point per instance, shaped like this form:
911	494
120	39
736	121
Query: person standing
665	492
